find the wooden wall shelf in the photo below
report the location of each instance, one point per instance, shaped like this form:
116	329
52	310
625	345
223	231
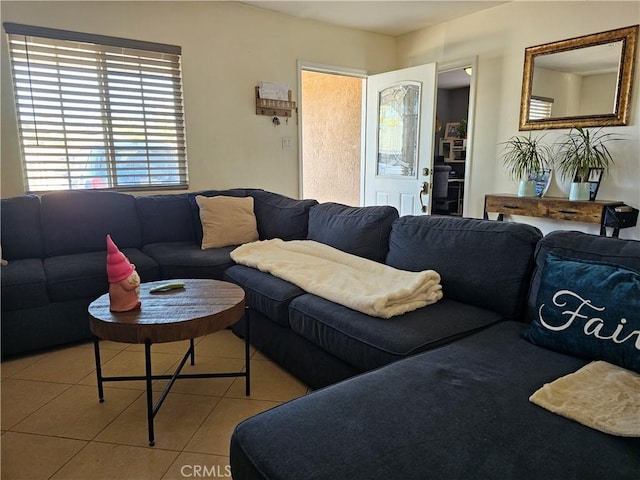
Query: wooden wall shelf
560	209
274	108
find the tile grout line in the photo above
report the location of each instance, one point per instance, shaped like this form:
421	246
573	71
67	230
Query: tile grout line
228	345
69	385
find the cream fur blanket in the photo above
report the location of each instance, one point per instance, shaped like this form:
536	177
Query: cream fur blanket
599	395
357	283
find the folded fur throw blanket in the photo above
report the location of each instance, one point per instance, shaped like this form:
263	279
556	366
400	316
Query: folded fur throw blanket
599	395
355	282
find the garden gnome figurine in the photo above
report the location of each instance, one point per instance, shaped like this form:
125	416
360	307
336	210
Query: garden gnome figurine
124	282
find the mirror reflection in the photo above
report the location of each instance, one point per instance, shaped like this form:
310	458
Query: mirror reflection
578	82
583	81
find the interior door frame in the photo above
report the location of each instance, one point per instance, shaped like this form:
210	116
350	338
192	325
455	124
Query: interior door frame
456	65
331	70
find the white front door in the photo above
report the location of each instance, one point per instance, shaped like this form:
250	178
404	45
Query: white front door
399	139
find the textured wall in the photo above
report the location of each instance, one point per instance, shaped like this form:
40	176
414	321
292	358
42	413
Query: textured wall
331	140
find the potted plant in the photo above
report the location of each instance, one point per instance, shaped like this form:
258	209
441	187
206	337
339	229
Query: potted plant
462	128
525	157
578	152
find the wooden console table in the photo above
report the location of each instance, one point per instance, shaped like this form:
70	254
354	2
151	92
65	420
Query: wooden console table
560	209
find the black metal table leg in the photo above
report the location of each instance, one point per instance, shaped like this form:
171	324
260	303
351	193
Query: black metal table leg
192	349
152	409
247	360
96	350
148	378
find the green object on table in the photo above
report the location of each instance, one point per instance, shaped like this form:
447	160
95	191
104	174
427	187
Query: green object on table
167	286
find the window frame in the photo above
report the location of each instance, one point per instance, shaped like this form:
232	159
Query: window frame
121	129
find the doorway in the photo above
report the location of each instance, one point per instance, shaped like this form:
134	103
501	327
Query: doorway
331	113
331	133
452	132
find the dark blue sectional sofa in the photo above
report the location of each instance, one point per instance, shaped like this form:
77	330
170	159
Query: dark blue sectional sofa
459	409
485	269
56	251
440	392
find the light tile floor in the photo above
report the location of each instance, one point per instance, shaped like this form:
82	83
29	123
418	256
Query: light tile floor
54	427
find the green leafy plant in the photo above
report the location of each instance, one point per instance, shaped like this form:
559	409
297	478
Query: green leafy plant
524	155
462	128
582	149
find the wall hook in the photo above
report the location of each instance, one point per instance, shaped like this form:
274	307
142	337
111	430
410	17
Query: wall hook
275	121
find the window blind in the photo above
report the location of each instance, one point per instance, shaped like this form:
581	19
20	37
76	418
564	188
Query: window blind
97	111
540	108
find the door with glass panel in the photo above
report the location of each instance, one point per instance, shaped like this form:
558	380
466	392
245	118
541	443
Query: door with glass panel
399	139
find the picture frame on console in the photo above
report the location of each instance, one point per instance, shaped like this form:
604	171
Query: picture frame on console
451	130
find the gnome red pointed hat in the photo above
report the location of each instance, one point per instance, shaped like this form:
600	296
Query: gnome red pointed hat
118	266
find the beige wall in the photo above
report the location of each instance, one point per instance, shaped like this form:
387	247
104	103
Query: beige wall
227	48
498	37
598	93
331	137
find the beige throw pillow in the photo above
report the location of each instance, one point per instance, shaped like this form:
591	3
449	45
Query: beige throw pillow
227	221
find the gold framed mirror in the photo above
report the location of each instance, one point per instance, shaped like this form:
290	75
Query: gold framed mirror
582	81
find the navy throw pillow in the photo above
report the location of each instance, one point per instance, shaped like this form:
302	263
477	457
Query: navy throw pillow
588	309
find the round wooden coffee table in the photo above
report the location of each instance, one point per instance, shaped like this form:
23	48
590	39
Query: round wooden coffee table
201	307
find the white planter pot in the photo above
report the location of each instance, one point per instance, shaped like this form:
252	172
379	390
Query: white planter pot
579	191
527	188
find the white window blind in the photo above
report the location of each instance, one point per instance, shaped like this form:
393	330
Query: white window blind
96	111
540	108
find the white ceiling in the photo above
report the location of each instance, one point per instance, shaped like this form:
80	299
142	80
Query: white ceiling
386	17
454	79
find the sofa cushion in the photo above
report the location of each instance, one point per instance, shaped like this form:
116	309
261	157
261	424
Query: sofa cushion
165	218
227	221
482	262
265	293
84	275
312	365
36	328
460	411
79	221
23	284
188	260
367	342
20	227
195	210
588	309
279	216
362	231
